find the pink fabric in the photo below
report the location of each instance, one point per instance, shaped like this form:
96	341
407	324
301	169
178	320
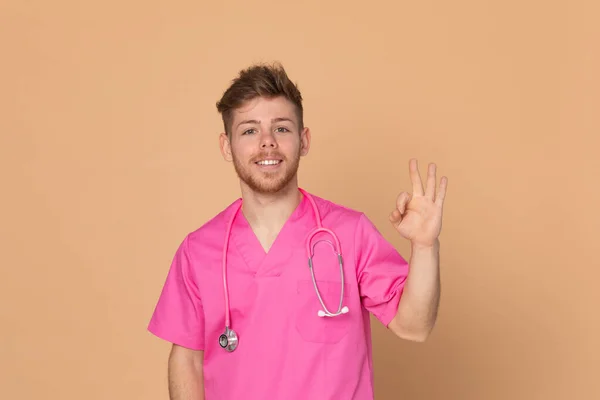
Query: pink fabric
285	350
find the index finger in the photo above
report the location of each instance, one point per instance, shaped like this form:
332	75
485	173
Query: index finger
415	177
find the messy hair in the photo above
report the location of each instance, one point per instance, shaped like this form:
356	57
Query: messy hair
259	80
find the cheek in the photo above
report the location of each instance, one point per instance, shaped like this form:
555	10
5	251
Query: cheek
241	152
290	146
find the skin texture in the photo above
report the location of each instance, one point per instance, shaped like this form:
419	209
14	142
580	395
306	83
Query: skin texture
186	380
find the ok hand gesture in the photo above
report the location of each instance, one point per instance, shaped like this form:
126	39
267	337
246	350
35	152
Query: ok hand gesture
418	216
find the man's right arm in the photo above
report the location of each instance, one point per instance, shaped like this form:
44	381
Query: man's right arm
186	380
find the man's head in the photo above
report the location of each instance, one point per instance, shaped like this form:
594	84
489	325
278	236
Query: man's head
264	130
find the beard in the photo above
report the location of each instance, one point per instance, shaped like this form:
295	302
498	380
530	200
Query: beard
267	182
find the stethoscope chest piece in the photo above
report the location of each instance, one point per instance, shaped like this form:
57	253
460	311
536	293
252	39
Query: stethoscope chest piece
228	340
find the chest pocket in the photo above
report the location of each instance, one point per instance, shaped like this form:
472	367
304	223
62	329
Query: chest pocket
309	325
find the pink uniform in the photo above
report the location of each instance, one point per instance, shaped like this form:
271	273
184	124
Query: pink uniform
285	351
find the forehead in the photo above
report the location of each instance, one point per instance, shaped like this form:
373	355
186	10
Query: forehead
264	109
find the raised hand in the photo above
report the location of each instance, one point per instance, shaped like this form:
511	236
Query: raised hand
418	216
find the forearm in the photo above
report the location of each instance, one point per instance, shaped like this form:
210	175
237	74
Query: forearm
186	381
417	310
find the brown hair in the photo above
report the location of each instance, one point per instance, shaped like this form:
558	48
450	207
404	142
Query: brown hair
259	80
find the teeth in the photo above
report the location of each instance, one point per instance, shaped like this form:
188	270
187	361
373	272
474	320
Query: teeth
268	162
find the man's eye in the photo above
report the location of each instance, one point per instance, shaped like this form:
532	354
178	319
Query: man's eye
282	129
248	131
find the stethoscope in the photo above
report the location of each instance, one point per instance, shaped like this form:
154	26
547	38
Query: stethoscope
229	339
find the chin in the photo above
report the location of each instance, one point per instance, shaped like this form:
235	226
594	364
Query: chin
270	185
266	182
267	187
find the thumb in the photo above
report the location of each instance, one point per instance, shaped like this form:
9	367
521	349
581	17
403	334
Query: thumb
402	200
395	217
397	214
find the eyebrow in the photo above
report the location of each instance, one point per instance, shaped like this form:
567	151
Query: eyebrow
254	121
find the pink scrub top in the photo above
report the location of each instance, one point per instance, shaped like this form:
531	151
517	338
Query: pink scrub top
285	351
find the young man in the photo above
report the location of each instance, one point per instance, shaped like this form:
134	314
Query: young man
255	302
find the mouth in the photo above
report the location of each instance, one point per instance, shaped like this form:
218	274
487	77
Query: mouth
268	162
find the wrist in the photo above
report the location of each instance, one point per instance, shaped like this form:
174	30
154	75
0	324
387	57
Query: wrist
425	247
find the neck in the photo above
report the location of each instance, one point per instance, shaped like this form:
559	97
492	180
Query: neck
268	212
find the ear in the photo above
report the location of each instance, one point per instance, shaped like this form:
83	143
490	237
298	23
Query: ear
225	146
304	141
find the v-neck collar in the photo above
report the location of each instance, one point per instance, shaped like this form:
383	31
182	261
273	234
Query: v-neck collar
272	262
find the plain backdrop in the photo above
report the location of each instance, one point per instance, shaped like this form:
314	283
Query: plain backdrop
109	156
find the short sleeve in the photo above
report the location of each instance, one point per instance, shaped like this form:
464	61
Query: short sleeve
178	316
381	271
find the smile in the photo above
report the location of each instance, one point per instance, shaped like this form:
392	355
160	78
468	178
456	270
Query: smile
268	162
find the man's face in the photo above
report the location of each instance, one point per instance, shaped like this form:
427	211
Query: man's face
266	144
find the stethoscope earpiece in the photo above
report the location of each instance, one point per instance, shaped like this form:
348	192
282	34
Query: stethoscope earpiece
344	310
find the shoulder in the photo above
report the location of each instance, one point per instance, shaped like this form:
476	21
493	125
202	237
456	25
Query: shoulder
335	212
341	215
212	231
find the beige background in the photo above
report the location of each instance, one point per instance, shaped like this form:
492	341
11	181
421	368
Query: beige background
110	155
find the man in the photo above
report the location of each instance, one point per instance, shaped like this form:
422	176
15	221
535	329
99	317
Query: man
247	314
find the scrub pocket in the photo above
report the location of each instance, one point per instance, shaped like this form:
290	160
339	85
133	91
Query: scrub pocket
309	325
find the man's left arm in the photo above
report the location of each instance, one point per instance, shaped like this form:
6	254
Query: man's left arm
418	306
418	218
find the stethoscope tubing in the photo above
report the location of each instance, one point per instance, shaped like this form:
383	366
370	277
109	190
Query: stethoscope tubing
229	339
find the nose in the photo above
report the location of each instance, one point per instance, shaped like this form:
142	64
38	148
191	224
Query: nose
267	140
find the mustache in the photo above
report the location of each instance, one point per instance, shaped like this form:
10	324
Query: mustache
270	155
